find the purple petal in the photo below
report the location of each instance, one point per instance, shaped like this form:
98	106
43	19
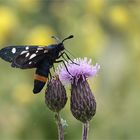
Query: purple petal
83	68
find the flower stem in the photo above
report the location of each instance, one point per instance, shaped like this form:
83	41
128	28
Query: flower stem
59	126
85	131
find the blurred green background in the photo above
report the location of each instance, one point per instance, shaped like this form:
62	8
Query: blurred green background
108	31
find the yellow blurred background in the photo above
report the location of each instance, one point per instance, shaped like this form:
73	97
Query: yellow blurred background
108	31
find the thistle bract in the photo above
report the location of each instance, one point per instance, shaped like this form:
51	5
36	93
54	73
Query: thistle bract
83	104
55	95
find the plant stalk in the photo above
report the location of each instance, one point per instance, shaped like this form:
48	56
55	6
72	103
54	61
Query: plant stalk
85	131
59	126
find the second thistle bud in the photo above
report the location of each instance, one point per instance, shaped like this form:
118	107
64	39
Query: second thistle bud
55	95
83	104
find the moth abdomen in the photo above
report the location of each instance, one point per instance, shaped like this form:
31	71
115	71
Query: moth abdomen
39	82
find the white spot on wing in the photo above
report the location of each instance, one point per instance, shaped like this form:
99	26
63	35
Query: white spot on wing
36	51
27	55
23	52
32	56
30	62
27	48
14	50
45	51
39	48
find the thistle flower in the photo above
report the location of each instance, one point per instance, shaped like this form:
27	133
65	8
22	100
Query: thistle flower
83	104
55	95
83	68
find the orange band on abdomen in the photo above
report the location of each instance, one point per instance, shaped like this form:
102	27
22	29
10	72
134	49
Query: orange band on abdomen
40	78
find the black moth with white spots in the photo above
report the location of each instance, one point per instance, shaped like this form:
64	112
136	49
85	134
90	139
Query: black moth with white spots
40	57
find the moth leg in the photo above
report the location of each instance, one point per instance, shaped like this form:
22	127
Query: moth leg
64	65
68	58
65	58
62	55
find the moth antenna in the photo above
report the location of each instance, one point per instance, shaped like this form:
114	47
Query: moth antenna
69	37
57	39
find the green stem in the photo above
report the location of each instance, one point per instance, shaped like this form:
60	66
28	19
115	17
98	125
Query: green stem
59	126
85	131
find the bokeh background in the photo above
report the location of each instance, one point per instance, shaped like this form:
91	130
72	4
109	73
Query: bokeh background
108	31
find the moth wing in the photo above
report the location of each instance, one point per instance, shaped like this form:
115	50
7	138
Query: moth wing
30	58
11	52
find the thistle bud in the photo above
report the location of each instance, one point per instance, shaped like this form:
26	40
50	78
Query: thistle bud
83	104
55	95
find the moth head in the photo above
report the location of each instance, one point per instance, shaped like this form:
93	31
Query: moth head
60	44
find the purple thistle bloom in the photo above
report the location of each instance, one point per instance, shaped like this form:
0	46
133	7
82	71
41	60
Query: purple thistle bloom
84	69
83	104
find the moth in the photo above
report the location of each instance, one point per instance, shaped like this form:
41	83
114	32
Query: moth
40	57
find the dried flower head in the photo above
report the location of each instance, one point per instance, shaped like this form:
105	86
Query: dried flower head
55	95
83	104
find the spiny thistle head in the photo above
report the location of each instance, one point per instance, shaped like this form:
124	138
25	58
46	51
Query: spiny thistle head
83	104
55	95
